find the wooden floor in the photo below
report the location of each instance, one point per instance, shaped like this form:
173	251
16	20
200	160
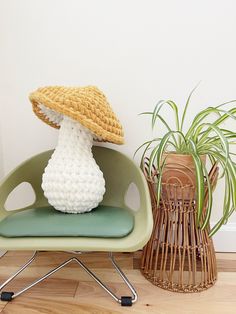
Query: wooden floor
72	291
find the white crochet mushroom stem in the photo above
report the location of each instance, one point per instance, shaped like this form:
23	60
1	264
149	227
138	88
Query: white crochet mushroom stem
72	181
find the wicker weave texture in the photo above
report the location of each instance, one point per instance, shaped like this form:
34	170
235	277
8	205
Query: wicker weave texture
179	257
88	105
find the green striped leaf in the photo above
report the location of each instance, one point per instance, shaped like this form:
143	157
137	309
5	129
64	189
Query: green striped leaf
199	181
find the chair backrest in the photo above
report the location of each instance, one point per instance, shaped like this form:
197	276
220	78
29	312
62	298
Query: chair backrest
118	170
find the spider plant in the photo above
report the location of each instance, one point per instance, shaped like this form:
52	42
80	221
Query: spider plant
201	138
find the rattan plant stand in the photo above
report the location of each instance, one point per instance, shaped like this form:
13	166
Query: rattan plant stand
179	256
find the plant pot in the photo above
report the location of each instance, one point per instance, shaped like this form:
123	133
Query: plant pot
179	256
179	169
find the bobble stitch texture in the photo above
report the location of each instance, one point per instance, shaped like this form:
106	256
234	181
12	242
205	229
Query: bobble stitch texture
72	181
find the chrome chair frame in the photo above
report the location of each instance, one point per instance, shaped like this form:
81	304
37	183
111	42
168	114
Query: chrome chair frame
123	300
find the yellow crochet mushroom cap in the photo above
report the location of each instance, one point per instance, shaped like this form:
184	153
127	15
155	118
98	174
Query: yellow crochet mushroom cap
88	105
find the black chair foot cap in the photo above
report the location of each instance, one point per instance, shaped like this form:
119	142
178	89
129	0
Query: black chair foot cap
6	296
126	301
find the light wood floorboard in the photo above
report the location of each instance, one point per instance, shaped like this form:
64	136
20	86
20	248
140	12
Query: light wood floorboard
71	290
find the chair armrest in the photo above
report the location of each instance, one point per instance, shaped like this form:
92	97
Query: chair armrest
23	173
133	174
9	183
29	171
143	215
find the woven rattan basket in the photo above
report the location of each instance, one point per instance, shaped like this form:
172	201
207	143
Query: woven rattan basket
179	256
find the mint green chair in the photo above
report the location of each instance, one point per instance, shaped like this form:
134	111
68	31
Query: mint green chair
112	227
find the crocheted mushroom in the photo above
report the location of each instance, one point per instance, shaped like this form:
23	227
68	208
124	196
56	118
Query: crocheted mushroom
72	181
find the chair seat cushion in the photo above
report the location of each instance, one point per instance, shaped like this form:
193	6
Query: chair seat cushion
103	221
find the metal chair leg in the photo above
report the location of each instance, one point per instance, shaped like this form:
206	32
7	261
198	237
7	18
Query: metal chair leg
2	253
124	300
32	258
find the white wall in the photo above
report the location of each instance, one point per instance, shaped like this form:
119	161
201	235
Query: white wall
1	157
137	52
